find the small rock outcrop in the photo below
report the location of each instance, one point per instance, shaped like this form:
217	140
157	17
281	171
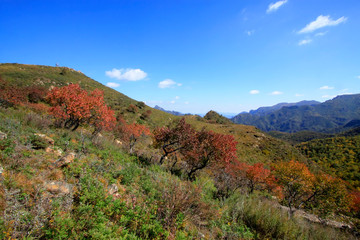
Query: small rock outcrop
65	160
56	187
113	190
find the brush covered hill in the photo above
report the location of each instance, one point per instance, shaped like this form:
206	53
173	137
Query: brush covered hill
24	75
61	184
263	148
329	116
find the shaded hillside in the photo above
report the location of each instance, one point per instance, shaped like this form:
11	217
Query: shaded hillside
329	116
299	137
267	110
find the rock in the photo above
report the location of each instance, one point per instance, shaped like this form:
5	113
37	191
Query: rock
57	151
3	136
65	160
46	138
56	187
113	189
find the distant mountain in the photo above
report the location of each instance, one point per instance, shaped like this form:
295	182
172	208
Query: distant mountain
171	112
330	116
265	110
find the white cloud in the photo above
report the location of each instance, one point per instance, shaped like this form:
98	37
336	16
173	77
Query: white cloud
186	103
358	77
299	95
254	92
168	83
172	102
326	88
320	34
177	97
304	41
113	85
275	6
127	74
276	93
320	22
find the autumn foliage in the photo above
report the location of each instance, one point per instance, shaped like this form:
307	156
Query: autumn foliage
302	188
197	149
74	106
11	95
130	133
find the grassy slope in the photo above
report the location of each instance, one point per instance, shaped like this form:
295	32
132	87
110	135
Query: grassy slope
254	145
148	193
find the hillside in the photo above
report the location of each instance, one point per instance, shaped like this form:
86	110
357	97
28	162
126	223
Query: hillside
263	148
329	116
61	183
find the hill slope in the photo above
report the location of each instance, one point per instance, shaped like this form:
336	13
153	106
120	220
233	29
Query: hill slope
329	116
58	183
253	145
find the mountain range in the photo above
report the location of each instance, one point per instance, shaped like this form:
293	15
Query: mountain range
330	116
167	111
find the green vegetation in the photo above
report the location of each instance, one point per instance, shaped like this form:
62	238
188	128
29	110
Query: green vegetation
57	183
214	117
338	155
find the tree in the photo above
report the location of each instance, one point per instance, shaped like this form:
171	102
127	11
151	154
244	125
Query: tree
258	176
210	149
296	181
329	195
130	132
180	138
74	106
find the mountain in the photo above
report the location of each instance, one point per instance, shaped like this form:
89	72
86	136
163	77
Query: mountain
265	110
330	116
167	111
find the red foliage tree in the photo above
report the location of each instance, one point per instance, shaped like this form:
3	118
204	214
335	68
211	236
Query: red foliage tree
130	132
180	138
198	149
75	106
355	203
210	149
252	176
258	176
11	95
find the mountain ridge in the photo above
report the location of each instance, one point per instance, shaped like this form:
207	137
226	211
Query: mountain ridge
329	116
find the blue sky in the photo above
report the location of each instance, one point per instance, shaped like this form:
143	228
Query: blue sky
194	55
